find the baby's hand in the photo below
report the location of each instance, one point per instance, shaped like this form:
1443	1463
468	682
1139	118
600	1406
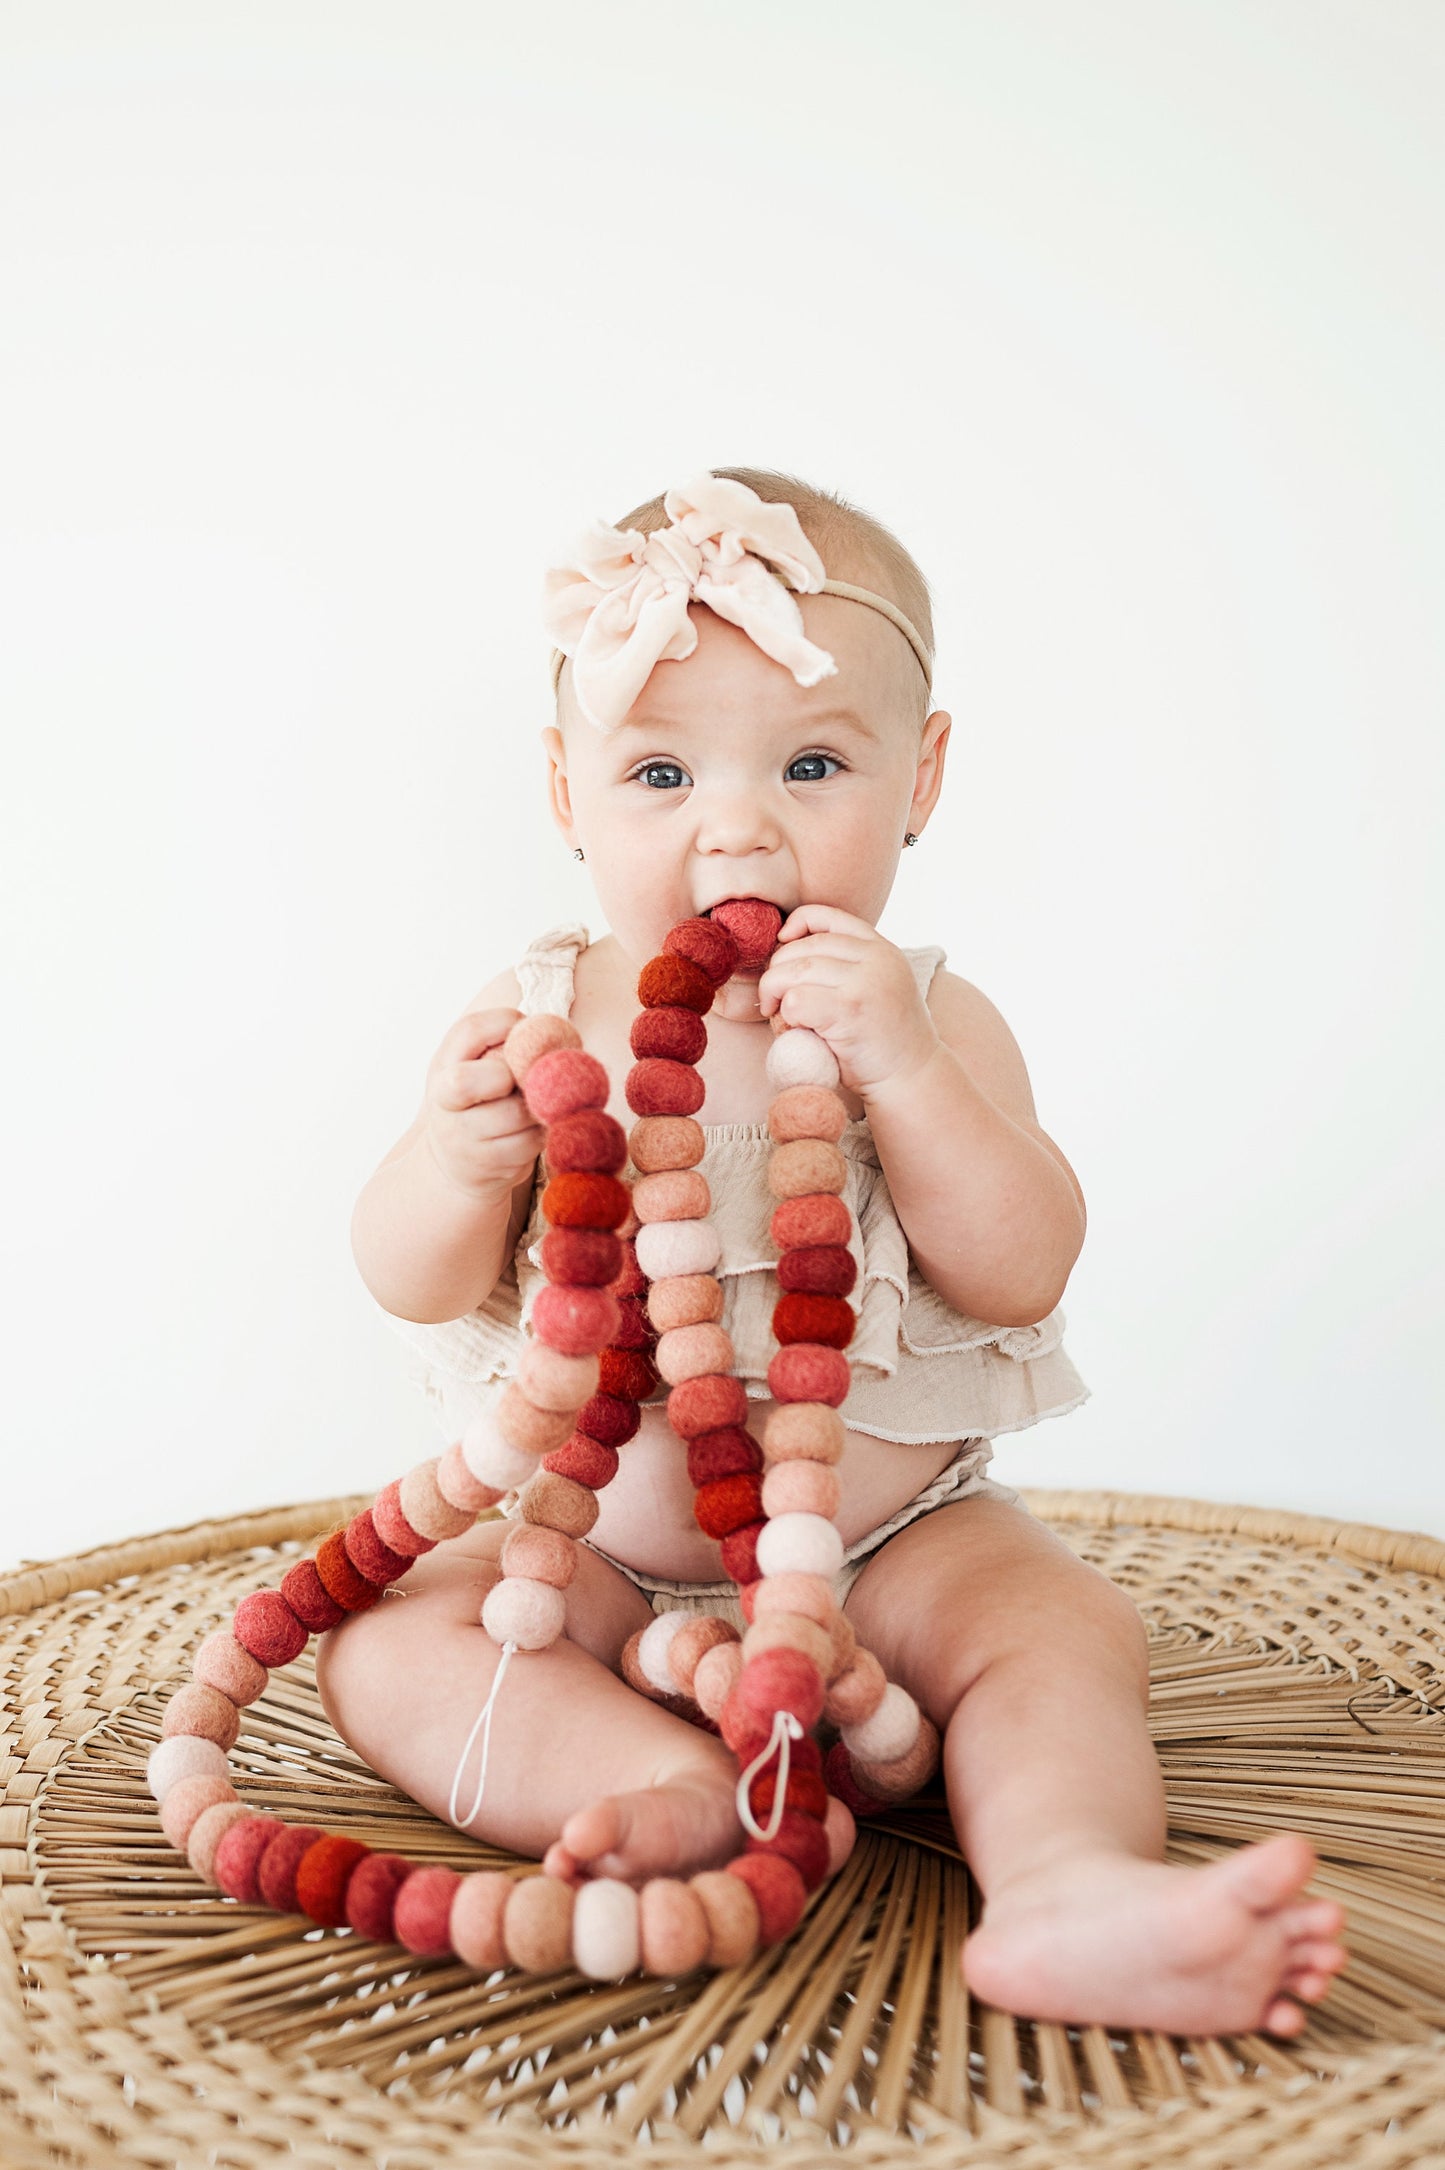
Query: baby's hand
839	977
478	1128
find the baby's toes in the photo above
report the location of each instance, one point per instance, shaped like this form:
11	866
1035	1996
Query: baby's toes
1315	1918
1284	2017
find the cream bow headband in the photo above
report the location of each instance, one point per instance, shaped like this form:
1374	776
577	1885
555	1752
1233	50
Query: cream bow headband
618	603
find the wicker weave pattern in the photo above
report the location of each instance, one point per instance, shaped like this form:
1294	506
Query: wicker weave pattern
1299	1680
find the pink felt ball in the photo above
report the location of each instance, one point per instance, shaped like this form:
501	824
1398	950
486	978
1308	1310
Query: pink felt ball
239	1855
551	1380
656	1086
809	1371
889	1732
803	1544
800	1057
699	1633
857	1691
715	1676
491	1458
586	1461
807	1111
474	1926
605	1939
801	1488
422	1909
782	1680
559	1503
684	1299
665	1141
789	1631
810	1222
706	1405
540	1555
265	1625
198	1709
667	1248
565	1082
221	1662
672	1927
530	1429
540	1034
207	1832
188	1799
801	1839
732	1914
537	1925
804	1431
693	1352
811	1595
518	1610
425	1509
905	1776
779	1890
392	1526
370	1898
806	1166
184	1755
673	1194
459	1487
578	1321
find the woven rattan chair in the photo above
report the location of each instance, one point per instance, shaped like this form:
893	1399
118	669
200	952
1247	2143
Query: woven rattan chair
1299	1680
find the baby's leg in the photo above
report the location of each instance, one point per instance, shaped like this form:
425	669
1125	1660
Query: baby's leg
1034	1667
403	1683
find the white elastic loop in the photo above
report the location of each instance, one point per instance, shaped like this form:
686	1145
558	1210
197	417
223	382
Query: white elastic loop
786	1728
485	1713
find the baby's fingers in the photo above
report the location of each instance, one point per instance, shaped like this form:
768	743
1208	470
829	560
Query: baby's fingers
475	1034
457	1085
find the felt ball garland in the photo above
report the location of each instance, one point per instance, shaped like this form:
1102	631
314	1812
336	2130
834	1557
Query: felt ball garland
630	1301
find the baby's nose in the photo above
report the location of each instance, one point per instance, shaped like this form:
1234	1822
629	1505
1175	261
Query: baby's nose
736	822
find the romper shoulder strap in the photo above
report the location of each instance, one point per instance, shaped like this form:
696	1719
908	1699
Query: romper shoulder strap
545	969
925	963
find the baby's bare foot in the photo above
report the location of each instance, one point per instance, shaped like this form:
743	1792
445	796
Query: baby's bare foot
1113	1940
686	1820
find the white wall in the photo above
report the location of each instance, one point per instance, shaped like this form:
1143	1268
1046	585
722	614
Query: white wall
323	323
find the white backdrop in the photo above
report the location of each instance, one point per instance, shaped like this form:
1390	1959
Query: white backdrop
322	324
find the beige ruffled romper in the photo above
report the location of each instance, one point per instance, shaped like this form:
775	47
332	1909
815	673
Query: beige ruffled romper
922	1371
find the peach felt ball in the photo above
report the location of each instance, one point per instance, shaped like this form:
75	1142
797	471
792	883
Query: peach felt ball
535	1036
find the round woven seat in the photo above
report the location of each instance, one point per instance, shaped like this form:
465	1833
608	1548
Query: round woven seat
1299	1682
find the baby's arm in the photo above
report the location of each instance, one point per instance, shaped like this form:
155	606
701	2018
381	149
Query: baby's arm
438	1220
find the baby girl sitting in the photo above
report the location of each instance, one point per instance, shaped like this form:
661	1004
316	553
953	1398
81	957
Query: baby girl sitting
719	738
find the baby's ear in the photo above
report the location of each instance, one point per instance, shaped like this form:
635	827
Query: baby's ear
558	795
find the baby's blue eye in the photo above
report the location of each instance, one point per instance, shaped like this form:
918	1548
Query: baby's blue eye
651	769
814	777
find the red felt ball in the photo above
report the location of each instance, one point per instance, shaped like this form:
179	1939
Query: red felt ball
809	1372
590	1141
309	1599
368	1552
340	1579
707	943
670	981
818	1269
839	1772
817	1217
828	1320
801	1839
782	1680
676	1034
748	1598
265	1625
578	1321
753	924
280	1856
727	1452
586	1201
238	1856
728	1505
779	1890
706	1404
626	1375
740	1552
564	1083
392	1527
630	1279
371	1895
586	1257
656	1086
742	1729
585	1461
805	1790
635	1329
609	1418
423	1907
322	1875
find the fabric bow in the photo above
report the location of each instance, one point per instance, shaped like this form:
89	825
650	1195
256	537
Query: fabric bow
618	604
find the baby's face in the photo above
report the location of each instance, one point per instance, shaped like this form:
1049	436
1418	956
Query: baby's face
728	779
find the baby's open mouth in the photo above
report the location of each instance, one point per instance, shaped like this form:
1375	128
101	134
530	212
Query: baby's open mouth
753	924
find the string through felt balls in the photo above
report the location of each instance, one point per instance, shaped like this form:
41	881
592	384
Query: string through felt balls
628	1280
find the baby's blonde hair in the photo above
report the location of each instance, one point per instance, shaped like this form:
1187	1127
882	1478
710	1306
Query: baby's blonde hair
853	546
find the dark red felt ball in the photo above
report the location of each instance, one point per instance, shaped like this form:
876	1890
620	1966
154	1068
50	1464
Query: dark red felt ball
565	1082
800	1839
728	1505
586	1201
727	1452
609	1418
779	1890
670	981
676	1034
265	1625
626	1375
658	1087
238	1856
631	1280
587	1257
276	1870
706	1404
309	1598
322	1876
585	1461
591	1142
839	1773
635	1329
825	1319
368	1553
706	942
740	1552
805	1790
818	1269
809	1372
423	1906
371	1895
340	1579
753	924
817	1217
748	1599
782	1680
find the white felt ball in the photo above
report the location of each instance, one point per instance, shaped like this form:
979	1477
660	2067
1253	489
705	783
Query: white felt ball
799	1057
491	1458
654	1645
669	1247
183	1755
519	1610
799	1544
606	1938
887	1732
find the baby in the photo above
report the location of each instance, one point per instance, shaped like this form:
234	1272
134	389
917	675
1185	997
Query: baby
725	760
